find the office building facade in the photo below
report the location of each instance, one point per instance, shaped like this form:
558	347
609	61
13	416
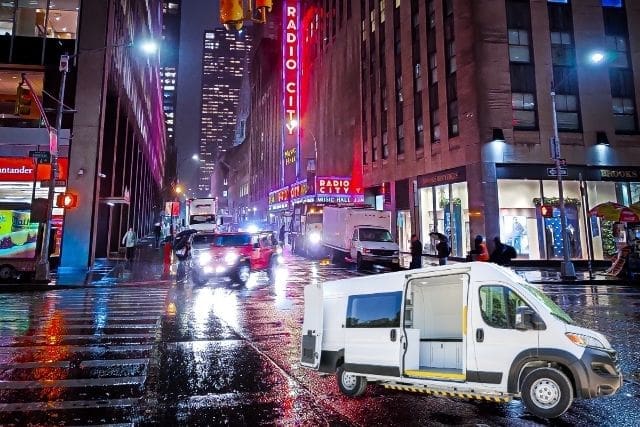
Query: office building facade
223	67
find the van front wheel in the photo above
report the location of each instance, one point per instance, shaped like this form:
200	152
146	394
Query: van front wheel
350	384
547	393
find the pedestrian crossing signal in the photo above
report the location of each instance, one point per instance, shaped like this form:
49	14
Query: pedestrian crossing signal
546	211
67	200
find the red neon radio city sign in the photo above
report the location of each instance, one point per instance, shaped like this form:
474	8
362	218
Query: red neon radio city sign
291	65
336	185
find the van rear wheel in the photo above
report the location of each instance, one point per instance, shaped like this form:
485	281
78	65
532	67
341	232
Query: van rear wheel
350	384
547	392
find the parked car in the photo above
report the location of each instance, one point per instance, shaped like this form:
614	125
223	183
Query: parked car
232	255
473	330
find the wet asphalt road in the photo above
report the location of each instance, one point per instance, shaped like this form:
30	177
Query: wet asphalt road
154	353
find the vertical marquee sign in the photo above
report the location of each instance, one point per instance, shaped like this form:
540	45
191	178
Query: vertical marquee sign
291	80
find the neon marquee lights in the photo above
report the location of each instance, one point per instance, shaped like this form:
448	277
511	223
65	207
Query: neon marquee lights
291	92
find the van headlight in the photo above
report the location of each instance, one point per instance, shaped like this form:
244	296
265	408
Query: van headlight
584	340
315	237
204	258
396	253
231	258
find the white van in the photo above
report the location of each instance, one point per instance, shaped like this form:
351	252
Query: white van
473	330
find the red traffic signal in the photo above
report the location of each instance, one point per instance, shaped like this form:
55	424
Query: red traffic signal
66	200
546	211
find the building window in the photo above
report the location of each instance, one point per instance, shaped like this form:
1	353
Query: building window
63	19
524	106
30	18
6	17
432	62
400	138
521	68
519	46
451	67
385	145
620	71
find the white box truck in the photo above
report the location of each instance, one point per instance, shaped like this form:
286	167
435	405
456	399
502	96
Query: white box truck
473	330
202	214
359	235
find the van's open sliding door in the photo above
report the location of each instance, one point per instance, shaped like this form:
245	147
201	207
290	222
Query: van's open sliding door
312	326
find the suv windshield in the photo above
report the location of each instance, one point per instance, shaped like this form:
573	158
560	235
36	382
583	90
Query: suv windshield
202	219
375	235
554	309
221	239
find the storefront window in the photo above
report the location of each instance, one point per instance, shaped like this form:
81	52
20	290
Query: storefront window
404	230
445	209
6	17
63	19
30	18
460	237
519	223
635	192
604	243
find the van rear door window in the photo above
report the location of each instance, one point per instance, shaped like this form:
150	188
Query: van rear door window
374	310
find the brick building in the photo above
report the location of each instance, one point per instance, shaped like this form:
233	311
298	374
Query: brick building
444	107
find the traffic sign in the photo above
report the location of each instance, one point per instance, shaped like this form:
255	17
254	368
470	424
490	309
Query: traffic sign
42	157
554	172
554	148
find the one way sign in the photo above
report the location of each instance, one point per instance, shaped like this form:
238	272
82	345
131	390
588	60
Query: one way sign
554	172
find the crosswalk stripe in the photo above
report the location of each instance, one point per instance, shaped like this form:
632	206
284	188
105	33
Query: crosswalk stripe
93	382
69	404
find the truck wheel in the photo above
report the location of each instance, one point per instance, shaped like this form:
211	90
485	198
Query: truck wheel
359	262
547	392
337	257
241	275
350	384
197	279
7	272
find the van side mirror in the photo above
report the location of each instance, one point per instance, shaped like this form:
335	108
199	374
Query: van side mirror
527	318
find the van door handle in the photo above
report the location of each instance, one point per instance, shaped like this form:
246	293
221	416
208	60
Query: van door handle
392	335
479	334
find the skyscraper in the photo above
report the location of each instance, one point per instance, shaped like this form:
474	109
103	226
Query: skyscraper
168	73
224	64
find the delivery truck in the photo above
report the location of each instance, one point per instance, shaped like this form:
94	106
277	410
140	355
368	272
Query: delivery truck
474	331
359	235
202	214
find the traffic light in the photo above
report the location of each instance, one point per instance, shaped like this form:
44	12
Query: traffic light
546	211
23	101
66	200
264	4
231	14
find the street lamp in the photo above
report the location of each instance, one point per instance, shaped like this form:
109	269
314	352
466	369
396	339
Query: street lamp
42	266
567	269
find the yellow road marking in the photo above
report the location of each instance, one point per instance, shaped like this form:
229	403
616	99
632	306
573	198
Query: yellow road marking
454	376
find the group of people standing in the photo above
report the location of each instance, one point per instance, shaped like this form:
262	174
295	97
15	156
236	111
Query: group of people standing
501	255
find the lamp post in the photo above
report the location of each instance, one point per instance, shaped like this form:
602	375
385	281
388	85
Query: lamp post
42	272
294	124
567	269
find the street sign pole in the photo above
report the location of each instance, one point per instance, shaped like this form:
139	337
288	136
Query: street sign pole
567	270
42	267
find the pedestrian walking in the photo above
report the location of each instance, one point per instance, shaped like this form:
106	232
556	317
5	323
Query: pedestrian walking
444	250
416	252
129	241
157	231
281	236
480	251
502	253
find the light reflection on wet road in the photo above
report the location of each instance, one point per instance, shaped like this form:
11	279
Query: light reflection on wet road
229	356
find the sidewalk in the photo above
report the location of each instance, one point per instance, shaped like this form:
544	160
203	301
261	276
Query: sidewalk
147	268
541	275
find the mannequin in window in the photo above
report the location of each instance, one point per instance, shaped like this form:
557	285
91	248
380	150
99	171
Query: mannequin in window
548	234
571	240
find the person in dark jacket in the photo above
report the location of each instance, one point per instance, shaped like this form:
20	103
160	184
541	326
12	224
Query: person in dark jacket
444	250
416	252
503	253
281	235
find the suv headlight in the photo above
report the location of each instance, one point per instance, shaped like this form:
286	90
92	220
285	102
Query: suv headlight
231	258
584	340
204	258
396	253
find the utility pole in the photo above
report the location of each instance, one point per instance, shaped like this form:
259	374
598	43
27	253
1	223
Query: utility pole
42	266
567	270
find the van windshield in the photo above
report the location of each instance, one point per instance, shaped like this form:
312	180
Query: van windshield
375	235
202	219
554	309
